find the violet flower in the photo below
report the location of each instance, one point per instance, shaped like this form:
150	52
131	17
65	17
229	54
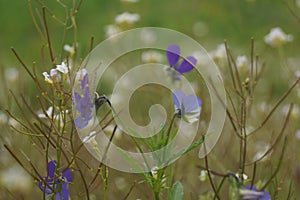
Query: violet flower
173	56
56	185
253	194
83	103
187	107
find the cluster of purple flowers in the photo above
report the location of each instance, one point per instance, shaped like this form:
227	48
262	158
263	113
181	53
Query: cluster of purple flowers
186	107
56	184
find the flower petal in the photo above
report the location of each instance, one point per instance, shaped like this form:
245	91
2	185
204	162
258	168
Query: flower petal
67	174
84	81
51	168
173	54
187	65
65	191
177	97
191	103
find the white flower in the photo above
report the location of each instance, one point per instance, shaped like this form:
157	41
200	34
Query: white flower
49	112
297	134
3	118
63	68
298	3
241	62
69	49
219	53
262	148
127	18
203	175
277	37
245	177
11	74
111	30
297	74
15	179
148	37
151	56
295	112
12	122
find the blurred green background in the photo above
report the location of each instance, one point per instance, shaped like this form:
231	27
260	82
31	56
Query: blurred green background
234	20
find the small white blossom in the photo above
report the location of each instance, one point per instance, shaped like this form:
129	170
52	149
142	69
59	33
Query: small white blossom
16	179
297	134
298	3
69	49
12	122
111	30
3	118
241	62
245	177
277	37
151	56
297	74
49	112
219	53
295	112
11	74
203	175
127	18
262	149
148	37
63	68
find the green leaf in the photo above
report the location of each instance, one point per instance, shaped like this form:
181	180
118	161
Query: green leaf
177	191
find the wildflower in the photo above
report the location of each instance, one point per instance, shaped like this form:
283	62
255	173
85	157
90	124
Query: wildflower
11	74
241	62
219	53
203	175
262	148
297	134
277	37
56	185
63	68
173	56
151	57
50	77
127	18
111	30
49	112
15	179
187	107
69	49
84	104
253	194
3	118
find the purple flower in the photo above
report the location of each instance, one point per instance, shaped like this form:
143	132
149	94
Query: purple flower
253	194
83	103
56	185
173	56
187	107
